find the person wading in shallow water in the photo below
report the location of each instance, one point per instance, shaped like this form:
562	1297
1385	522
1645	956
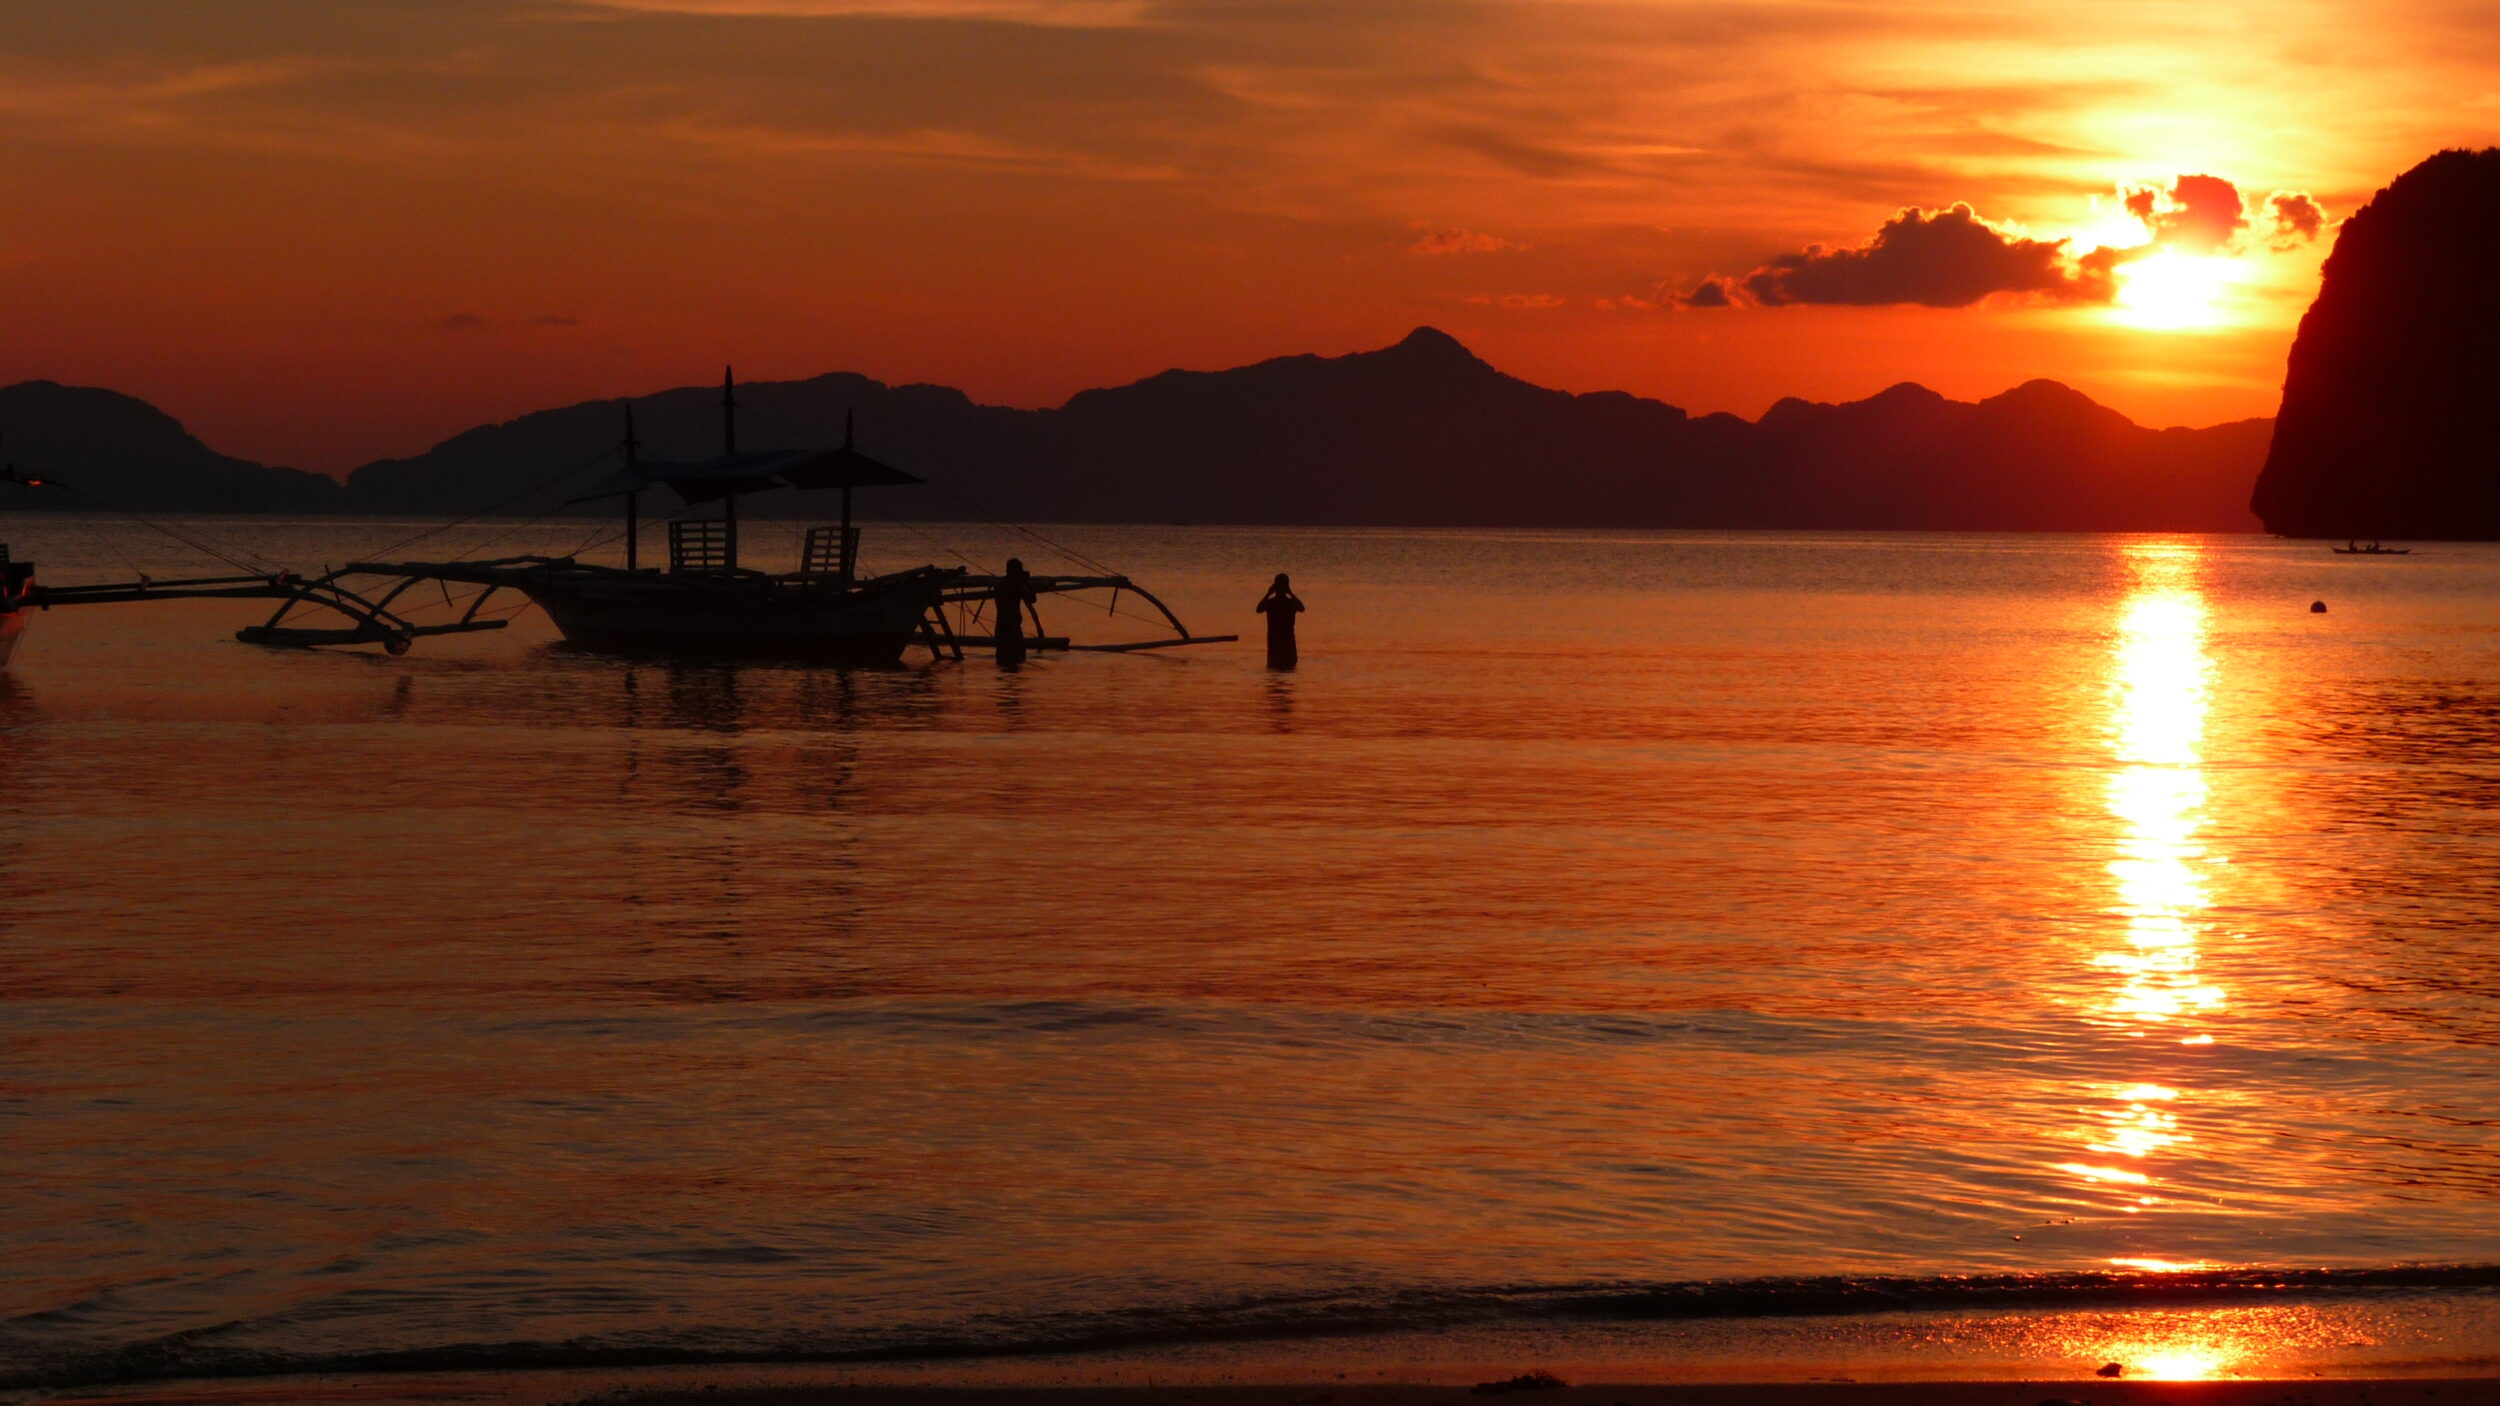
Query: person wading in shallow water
1280	605
1008	599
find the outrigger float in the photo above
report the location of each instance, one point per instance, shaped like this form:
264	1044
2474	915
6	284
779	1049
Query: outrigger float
706	604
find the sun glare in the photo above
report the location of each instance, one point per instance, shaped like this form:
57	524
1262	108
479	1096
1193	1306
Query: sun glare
2173	291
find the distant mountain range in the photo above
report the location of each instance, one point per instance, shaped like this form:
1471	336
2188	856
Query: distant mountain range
1421	433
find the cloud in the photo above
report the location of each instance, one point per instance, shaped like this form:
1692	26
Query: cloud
1074	14
463	322
781	144
2200	214
1711	292
1947	258
1526	302
2294	217
1459	241
556	319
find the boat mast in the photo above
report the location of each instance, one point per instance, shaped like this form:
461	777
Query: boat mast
633	496
845	578
729	436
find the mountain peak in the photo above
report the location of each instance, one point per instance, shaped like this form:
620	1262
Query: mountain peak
1436	344
1906	393
2046	397
2042	388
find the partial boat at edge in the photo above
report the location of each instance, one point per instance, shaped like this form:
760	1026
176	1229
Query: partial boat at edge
14	576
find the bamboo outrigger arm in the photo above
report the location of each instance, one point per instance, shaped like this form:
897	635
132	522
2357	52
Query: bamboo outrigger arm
372	621
976	590
369	621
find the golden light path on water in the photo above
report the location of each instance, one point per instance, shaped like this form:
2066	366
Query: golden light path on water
2160	676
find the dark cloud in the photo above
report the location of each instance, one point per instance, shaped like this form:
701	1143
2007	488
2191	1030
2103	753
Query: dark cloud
2206	215
1712	292
1941	259
2295	216
463	322
1459	241
2200	214
557	319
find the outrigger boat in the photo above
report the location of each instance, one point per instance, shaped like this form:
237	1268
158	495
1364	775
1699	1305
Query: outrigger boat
2353	549
707	603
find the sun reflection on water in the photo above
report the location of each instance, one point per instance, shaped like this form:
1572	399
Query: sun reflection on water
2157	795
2193	1344
2182	1364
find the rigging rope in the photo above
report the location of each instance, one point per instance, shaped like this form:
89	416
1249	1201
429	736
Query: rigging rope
264	568
985	514
509	499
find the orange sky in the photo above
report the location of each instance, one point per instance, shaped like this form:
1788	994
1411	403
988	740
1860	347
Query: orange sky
323	232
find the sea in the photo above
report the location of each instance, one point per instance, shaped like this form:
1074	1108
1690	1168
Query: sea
1639	956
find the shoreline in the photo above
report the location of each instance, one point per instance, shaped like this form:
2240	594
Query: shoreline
1977	1353
688	1387
2095	1392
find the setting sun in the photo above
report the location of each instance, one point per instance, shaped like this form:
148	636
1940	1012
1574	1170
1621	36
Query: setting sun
2169	292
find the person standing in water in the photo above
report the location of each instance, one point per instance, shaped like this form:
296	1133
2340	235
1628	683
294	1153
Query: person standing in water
1008	599
1280	605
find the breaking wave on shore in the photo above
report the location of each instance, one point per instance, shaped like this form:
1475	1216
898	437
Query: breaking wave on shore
58	1348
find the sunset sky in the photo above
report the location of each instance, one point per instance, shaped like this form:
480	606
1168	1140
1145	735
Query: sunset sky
324	232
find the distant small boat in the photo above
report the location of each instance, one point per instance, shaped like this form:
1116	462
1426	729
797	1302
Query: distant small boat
14	576
2351	549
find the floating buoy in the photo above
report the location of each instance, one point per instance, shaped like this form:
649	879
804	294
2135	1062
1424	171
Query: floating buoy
2317	607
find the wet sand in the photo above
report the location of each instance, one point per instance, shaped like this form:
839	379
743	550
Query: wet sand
697	1387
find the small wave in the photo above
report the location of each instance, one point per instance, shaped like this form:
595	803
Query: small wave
196	1354
2081	1046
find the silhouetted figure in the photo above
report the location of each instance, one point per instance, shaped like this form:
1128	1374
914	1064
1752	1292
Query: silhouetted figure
1012	594
1280	605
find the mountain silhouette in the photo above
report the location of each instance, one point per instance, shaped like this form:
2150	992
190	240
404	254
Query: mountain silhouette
1421	433
122	452
2390	425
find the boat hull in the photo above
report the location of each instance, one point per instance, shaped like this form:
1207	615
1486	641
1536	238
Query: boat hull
657	616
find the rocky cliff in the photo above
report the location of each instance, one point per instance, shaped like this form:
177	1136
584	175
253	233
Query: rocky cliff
2390	425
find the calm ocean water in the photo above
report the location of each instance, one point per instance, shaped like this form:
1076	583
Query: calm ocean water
1600	928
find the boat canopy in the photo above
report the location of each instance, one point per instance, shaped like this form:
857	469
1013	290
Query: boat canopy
708	480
